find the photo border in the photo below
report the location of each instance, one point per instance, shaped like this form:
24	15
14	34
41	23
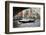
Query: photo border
7	17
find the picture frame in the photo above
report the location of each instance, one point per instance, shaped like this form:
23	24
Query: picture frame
13	8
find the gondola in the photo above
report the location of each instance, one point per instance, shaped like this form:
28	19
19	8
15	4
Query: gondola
27	20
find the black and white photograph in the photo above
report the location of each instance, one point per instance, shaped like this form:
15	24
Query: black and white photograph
22	17
26	17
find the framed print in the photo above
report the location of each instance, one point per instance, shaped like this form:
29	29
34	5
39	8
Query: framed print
24	17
